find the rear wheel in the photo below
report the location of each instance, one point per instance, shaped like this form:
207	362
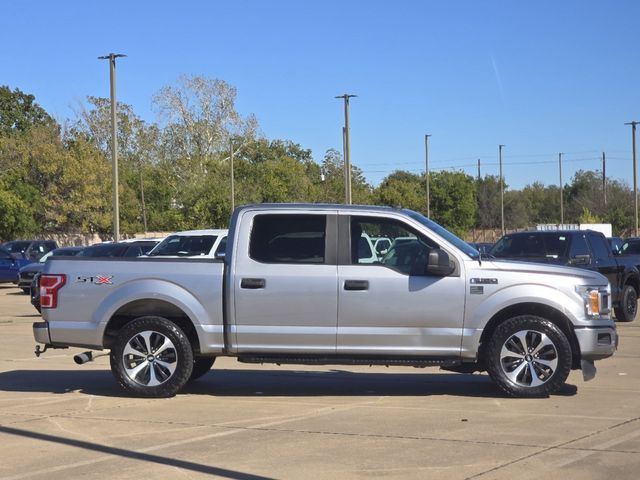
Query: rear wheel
152	357
528	356
628	308
26	290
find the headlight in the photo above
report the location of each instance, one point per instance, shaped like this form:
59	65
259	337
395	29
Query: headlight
596	300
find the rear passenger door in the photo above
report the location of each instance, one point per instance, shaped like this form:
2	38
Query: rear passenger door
285	283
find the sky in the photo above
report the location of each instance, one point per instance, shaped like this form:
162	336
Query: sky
539	77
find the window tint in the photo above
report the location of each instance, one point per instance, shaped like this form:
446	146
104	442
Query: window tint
630	247
578	246
599	246
5	255
532	245
288	238
407	252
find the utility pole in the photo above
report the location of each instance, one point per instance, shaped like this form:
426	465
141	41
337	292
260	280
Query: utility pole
233	188
426	174
561	200
478	170
604	179
500	147
635	171
144	208
347	153
114	141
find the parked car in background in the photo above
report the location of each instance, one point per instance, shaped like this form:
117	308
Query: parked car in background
119	249
615	243
586	249
26	273
482	247
30	249
193	243
10	266
631	246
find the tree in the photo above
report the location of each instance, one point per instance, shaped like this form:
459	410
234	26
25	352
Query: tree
453	200
488	202
402	189
332	188
19	112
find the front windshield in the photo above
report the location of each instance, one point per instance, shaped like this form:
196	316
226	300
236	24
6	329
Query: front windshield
444	233
16	247
184	245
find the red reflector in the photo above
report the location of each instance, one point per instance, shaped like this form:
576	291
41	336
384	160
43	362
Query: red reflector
49	286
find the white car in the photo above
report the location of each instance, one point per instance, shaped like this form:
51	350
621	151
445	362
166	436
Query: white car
193	243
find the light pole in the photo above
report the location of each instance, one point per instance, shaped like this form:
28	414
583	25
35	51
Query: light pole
347	153
561	199
426	160
233	187
500	147
114	141
635	171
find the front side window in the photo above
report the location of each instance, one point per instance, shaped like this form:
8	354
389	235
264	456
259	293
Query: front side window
288	239
407	253
600	247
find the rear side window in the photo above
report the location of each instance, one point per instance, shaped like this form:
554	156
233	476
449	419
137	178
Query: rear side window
288	239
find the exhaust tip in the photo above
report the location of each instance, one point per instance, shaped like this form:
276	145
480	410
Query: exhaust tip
83	358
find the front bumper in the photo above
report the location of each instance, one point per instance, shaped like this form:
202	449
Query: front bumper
597	343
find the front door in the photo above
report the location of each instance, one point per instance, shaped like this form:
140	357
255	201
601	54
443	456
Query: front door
391	307
285	283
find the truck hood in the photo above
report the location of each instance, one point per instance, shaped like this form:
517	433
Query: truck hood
587	276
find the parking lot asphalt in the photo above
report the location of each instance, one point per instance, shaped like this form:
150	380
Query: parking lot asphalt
60	420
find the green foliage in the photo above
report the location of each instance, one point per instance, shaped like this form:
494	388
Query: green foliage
588	217
19	112
403	189
453	200
53	181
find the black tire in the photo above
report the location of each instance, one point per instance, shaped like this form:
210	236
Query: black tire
26	290
628	308
201	365
528	356
152	357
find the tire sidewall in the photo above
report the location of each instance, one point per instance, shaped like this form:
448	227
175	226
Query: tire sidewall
628	296
528	322
184	354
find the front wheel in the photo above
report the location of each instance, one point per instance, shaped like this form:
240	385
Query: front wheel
628	308
528	356
152	357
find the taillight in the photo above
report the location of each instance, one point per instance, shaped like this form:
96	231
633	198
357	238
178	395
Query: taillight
49	286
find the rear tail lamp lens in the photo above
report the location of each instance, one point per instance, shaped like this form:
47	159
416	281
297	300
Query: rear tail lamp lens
49	286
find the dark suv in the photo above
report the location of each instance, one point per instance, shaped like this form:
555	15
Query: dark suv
30	249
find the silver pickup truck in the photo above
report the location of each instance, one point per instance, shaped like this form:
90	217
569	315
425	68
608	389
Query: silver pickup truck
292	289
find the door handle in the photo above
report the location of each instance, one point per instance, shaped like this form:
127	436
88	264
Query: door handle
356	285
253	283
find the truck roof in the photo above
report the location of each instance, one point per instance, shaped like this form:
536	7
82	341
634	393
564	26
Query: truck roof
320	206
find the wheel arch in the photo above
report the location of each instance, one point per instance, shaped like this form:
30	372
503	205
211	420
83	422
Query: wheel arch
531	308
150	307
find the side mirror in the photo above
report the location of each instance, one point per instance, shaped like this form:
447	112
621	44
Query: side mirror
439	263
581	260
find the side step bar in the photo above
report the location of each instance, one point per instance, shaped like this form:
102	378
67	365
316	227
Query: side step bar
345	360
